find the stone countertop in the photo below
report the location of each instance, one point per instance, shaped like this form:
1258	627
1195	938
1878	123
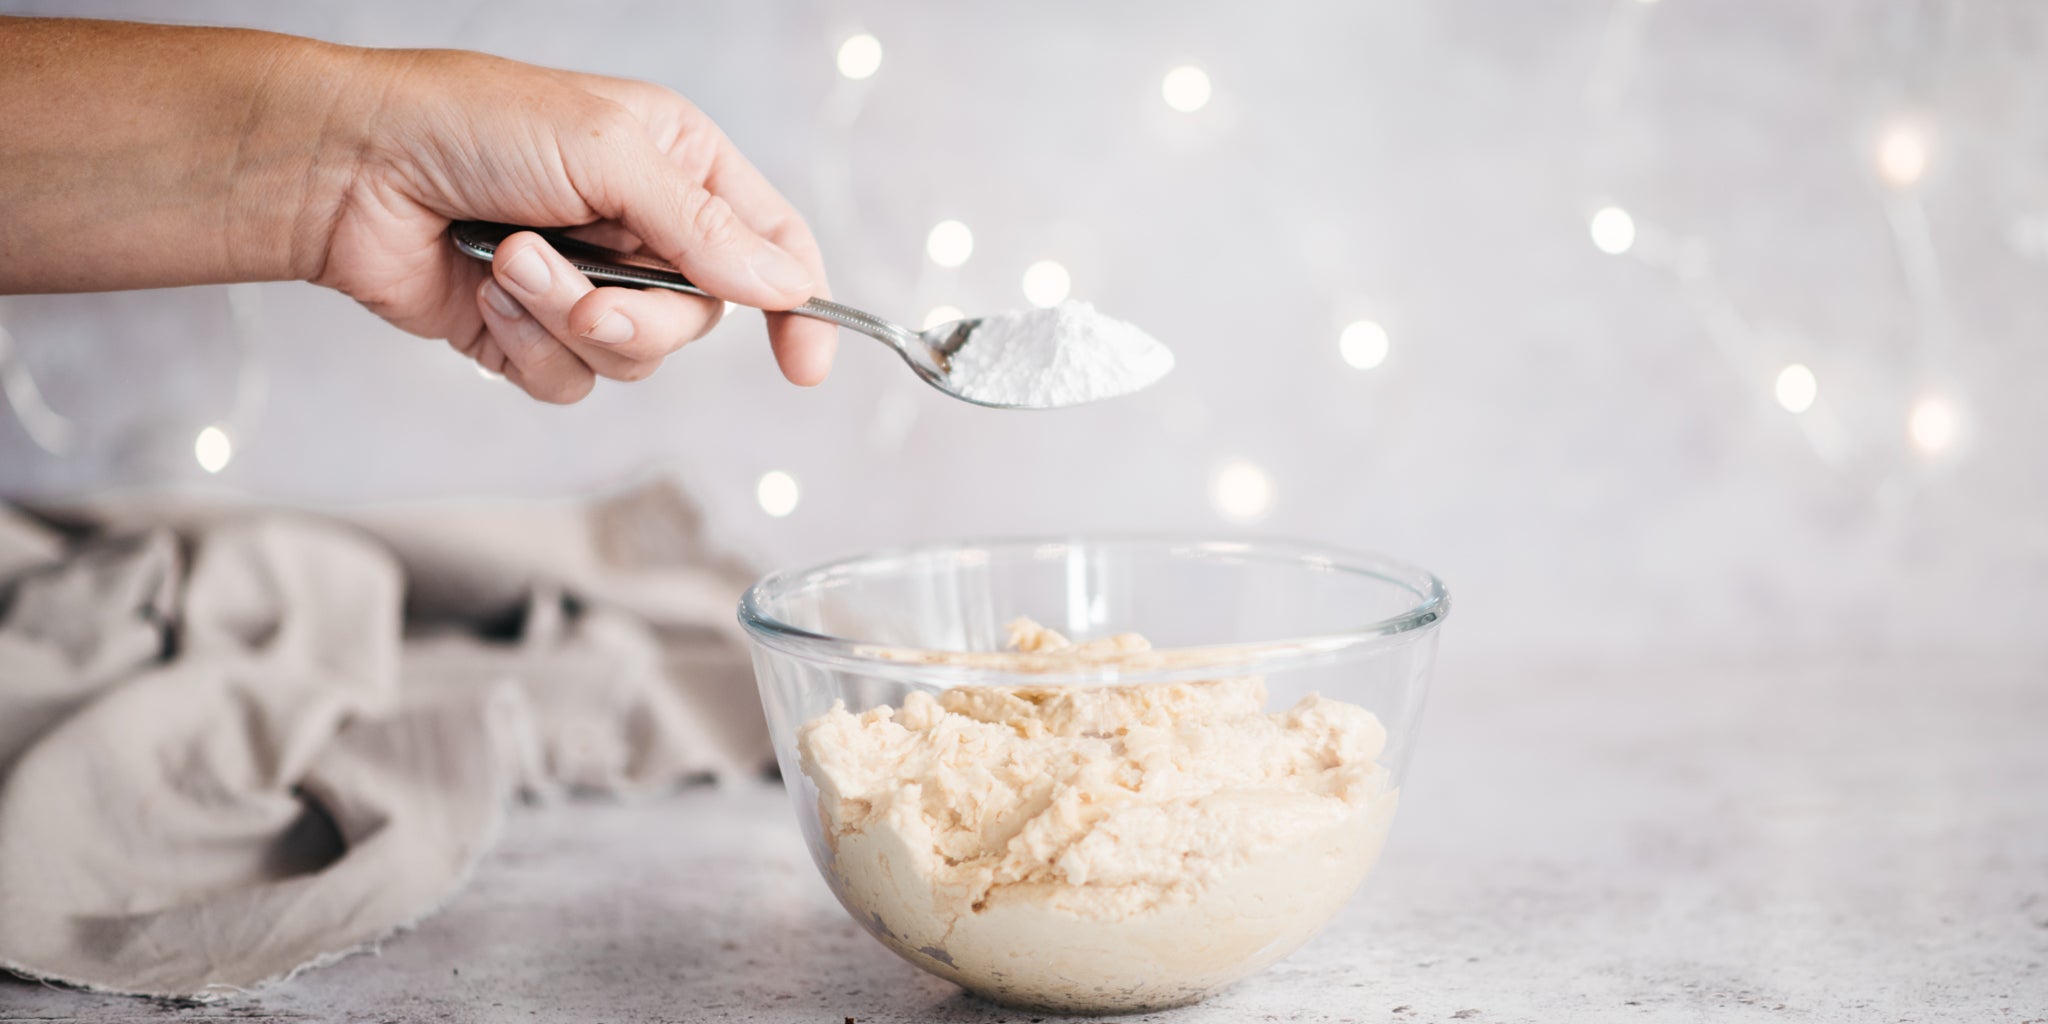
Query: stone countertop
1821	843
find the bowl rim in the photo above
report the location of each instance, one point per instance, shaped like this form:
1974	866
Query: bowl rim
1432	605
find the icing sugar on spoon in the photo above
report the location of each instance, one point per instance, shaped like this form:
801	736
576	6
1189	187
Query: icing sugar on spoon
1028	359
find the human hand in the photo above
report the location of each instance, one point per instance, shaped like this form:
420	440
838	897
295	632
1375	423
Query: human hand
461	136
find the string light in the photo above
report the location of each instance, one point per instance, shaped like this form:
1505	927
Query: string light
1046	283
1933	425
1613	230
213	449
777	492
1185	88
1797	388
949	243
1362	344
860	56
1241	491
1902	154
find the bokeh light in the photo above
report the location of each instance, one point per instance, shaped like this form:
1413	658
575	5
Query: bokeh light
777	492
1241	491
1933	425
949	243
1797	387
1046	283
941	315
1362	344
1613	230
860	56
1186	88
213	449
1902	154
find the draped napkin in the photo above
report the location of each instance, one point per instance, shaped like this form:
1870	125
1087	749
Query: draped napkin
236	743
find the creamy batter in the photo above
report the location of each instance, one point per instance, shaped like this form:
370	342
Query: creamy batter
1098	848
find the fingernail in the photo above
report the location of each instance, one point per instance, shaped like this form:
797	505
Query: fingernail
779	270
529	272
502	301
611	329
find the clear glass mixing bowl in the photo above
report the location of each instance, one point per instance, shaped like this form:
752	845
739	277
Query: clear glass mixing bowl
868	631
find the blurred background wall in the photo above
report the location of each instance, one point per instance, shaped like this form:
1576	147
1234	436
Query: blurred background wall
1689	329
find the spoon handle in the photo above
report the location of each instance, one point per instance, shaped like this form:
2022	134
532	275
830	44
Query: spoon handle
479	239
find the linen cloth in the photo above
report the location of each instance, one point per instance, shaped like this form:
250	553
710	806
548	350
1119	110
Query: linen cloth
235	743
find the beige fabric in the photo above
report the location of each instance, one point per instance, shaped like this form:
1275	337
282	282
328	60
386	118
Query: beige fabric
232	744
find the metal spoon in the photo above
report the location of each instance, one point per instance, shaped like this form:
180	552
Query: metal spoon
927	352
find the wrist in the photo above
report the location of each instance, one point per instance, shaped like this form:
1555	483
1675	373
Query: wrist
299	150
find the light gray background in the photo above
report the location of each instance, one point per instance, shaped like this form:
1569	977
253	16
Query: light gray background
1585	446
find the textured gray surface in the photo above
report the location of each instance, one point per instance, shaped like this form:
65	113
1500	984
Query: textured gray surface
1740	844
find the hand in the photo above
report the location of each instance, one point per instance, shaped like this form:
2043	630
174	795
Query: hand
462	136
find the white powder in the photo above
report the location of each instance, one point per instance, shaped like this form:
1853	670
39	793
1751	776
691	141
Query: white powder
1048	358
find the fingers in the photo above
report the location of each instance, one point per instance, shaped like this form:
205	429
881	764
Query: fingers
804	347
686	224
619	333
534	360
697	202
640	326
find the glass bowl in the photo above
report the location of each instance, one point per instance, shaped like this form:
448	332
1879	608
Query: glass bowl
1107	831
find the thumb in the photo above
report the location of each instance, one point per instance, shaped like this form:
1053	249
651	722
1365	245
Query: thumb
683	223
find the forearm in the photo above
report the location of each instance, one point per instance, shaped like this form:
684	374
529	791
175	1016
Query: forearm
136	156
